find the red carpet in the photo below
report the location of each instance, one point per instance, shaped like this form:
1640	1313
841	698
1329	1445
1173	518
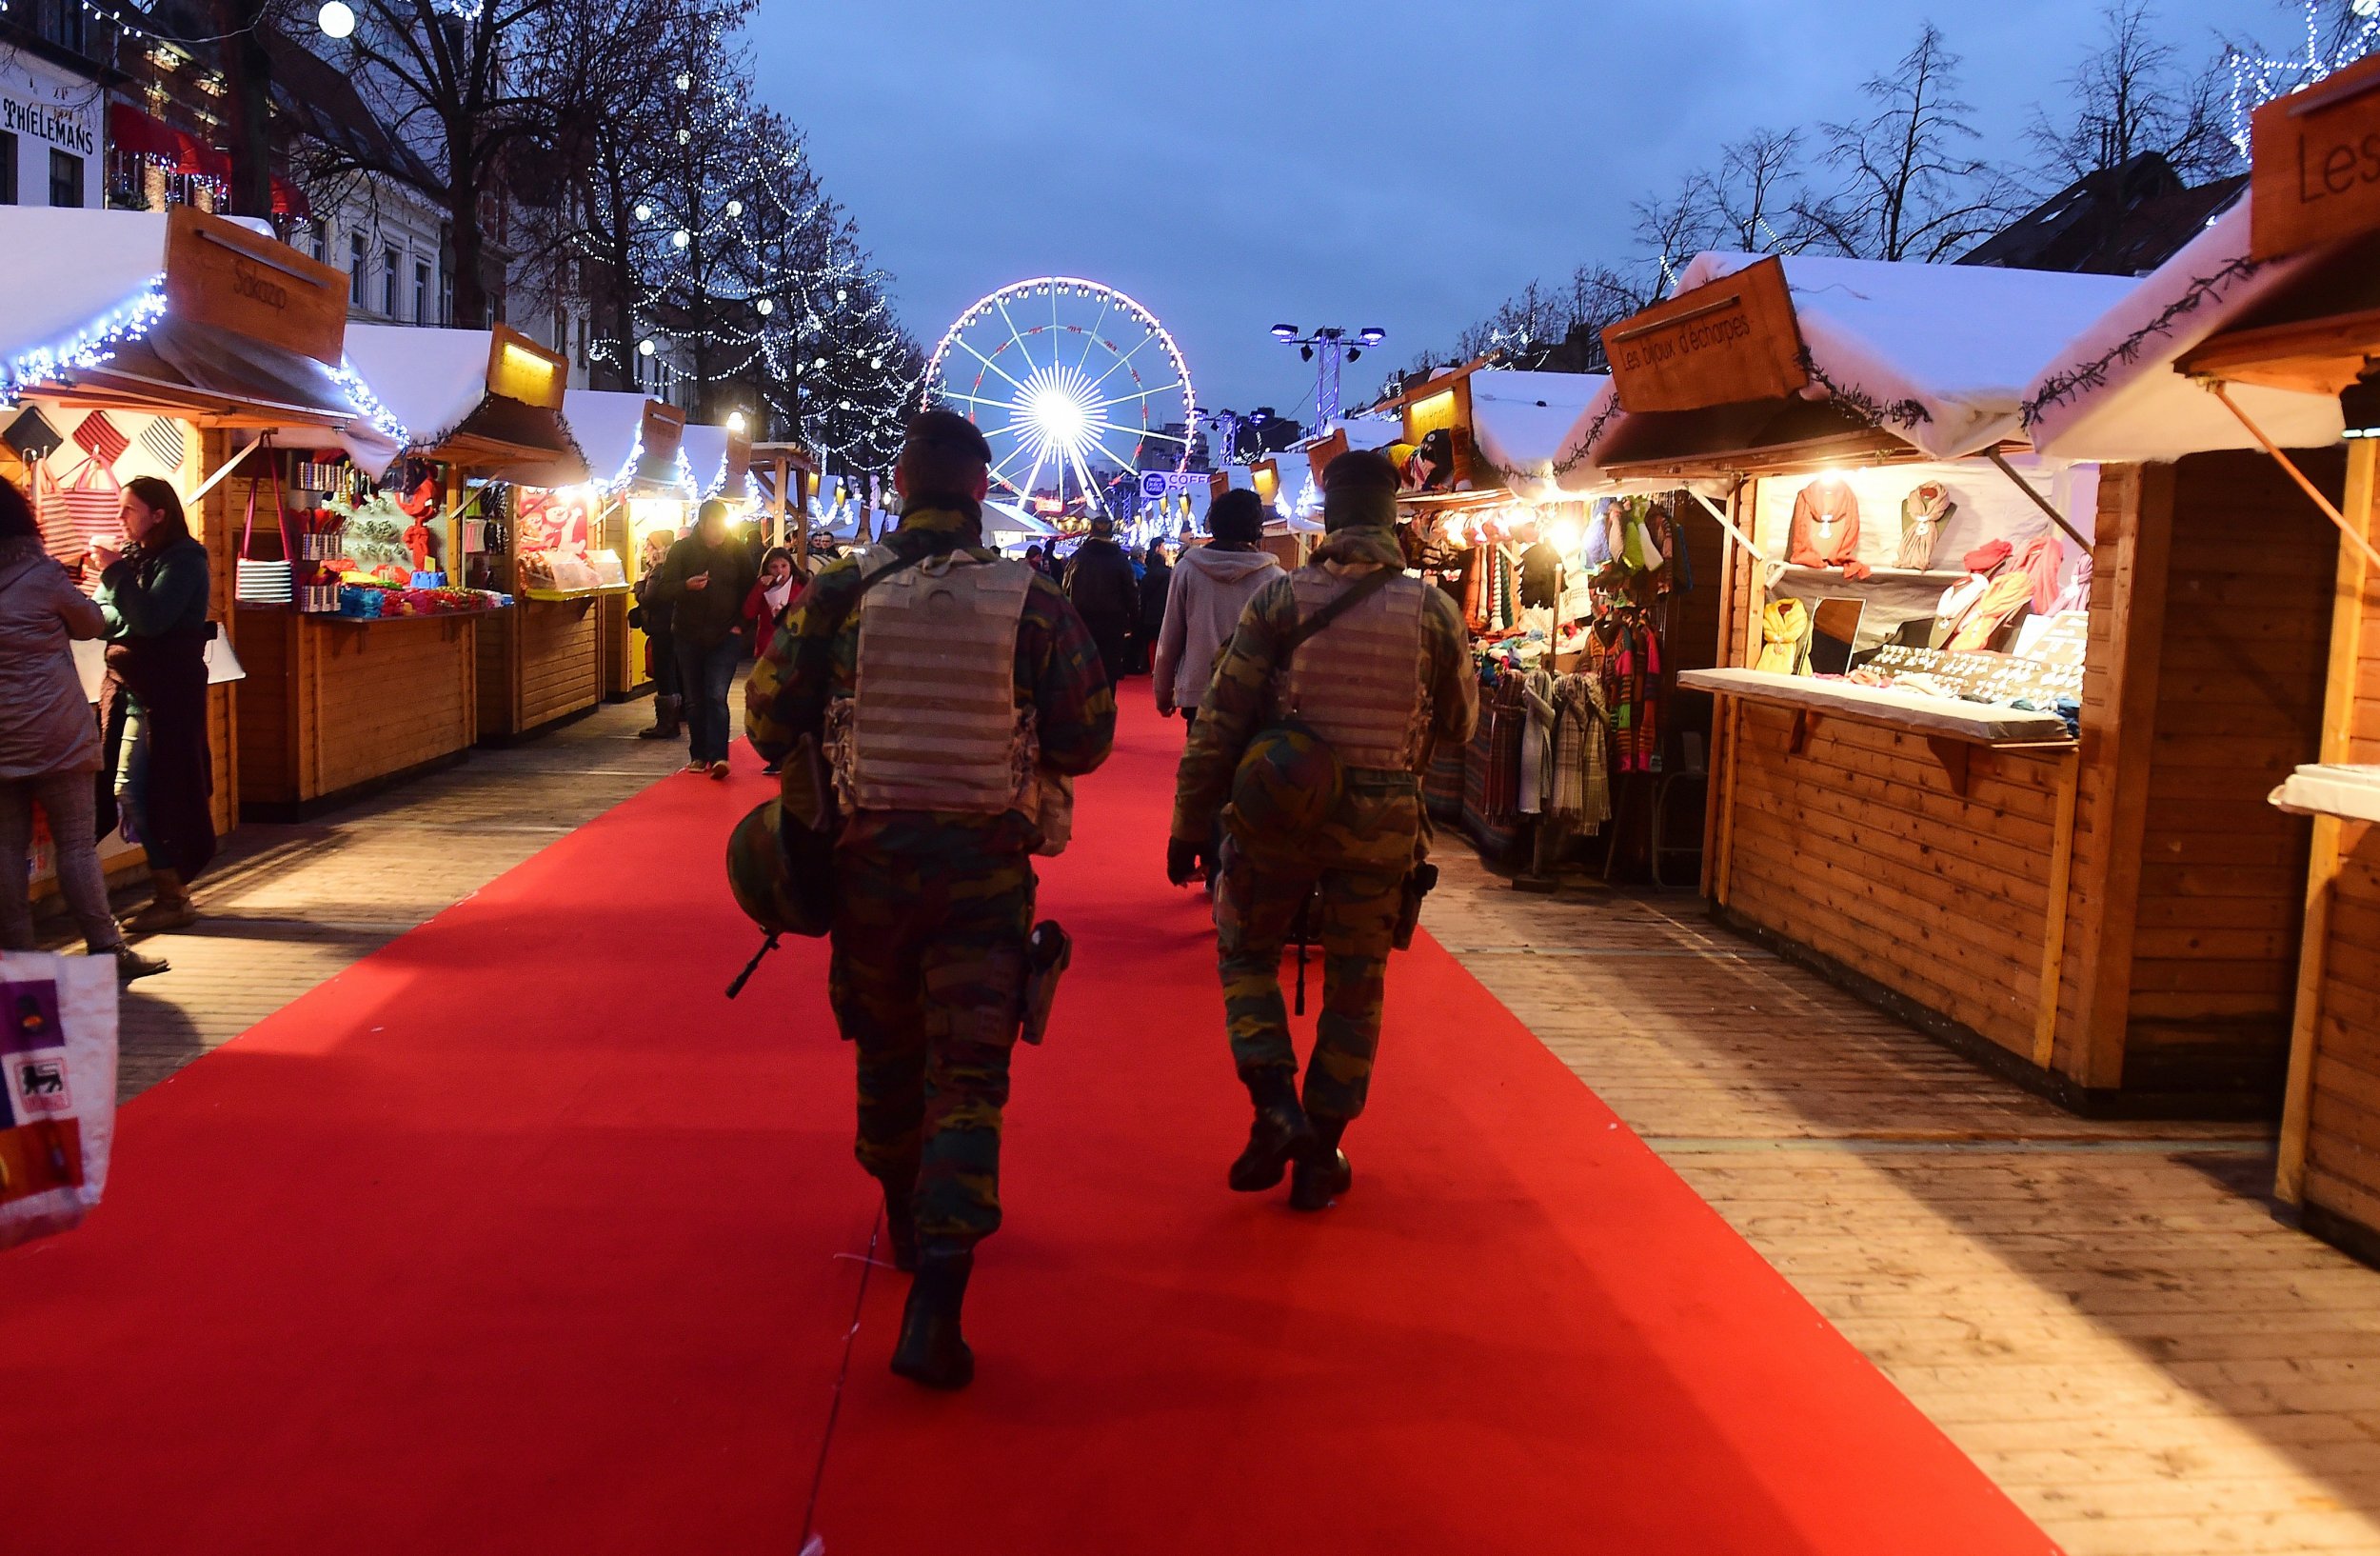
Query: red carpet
517	1237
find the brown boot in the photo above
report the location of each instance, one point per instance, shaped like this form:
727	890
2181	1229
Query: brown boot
169	907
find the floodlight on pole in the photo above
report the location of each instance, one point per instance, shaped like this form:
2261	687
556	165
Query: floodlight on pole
1328	349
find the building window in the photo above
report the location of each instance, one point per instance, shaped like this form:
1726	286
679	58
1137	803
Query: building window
355	268
65	178
422	293
389	262
321	242
7	169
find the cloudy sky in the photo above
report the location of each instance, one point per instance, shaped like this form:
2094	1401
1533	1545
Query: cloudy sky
1237	163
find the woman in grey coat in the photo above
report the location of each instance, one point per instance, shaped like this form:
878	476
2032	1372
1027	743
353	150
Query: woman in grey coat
48	742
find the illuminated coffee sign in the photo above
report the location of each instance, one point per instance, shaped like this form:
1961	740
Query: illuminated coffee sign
2317	174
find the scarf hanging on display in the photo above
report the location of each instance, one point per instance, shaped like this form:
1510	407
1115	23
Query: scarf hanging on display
1579	793
2076	595
1825	531
2041	561
2007	594
1925	514
1784	638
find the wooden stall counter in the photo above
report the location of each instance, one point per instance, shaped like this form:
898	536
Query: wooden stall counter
1915	847
538	663
335	705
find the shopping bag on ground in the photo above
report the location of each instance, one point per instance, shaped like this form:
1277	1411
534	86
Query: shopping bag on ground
57	1089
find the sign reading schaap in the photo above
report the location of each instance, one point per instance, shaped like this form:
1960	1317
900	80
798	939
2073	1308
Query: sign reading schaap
1733	339
2316	169
230	277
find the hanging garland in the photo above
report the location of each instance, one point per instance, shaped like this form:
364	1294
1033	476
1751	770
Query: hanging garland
2063	385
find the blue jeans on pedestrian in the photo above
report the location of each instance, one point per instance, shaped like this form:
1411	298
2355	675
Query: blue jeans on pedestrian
705	677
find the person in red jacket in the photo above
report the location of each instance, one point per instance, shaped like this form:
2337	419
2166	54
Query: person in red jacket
765	606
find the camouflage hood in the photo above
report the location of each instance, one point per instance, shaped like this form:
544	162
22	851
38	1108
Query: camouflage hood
1358	546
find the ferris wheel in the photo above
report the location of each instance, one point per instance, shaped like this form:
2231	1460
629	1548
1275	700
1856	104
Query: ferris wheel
1066	377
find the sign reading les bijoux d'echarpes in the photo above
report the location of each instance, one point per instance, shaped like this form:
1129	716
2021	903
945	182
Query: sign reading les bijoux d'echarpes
234	278
1731	340
2316	173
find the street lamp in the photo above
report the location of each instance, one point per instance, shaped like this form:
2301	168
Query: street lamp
1328	349
336	19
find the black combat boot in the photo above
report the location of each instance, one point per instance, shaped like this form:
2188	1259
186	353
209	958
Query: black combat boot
1280	1135
1315	1183
931	1349
666	711
901	1225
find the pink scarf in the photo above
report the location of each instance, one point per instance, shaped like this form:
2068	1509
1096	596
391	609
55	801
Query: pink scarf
2041	561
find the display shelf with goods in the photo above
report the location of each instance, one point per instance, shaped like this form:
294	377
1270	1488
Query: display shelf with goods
502	501
2078	909
171	345
2220	392
1575	586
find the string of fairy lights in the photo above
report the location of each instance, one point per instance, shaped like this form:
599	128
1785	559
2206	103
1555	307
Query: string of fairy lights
2257	79
746	270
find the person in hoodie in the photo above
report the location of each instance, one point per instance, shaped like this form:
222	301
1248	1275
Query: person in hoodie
1156	582
1206	593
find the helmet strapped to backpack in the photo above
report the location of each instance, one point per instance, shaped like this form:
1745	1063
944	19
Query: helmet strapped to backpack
1287	783
782	874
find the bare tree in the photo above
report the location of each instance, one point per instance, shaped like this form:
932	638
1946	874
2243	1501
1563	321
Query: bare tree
1910	190
2131	95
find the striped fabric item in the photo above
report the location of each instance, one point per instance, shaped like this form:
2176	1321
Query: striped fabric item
162	440
934	726
102	439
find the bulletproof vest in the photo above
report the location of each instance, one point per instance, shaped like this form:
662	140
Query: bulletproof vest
1361	683
933	722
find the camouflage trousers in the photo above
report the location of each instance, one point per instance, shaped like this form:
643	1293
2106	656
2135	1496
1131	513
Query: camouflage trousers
926	980
1360	892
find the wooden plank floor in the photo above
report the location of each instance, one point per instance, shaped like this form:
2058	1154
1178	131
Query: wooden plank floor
288	906
2110	1318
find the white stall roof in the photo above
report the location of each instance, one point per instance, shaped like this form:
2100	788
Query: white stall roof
1520	420
429	379
1003	522
1942	356
1295	469
608	425
71	268
704	451
2111	391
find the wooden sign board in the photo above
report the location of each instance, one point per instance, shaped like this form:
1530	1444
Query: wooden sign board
738	458
231	277
519	369
1322	451
2315	174
1733	340
1218	482
662	432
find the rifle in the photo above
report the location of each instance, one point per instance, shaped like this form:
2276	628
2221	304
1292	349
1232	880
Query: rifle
1302	928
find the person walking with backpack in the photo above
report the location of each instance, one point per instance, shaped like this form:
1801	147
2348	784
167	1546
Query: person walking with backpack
1204	595
932	870
1316	728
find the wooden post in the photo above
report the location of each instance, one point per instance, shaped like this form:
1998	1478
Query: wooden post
2338	721
2054	935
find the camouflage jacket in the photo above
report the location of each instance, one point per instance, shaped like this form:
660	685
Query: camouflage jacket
1238	700
814	658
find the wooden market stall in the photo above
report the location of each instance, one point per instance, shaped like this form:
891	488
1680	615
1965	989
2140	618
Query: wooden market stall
177	344
643	497
787	476
2220	408
511	513
2092	915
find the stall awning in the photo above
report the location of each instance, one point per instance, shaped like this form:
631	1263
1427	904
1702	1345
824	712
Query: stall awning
1519	421
488	401
140	134
1807	354
1004	523
630	440
705	453
181	314
2117	391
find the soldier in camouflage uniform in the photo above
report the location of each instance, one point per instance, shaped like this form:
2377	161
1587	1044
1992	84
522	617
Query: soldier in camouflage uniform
1379	685
942	780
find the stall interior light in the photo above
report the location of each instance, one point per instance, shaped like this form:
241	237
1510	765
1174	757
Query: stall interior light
2359	404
